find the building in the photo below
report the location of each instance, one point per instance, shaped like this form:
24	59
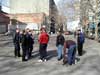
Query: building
53	15
23	20
31	6
4	20
90	10
29	12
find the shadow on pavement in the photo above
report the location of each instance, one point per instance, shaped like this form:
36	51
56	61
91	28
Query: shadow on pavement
51	54
84	52
35	54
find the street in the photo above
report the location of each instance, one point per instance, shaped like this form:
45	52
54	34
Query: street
89	63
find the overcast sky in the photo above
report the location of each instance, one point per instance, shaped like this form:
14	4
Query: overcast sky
5	5
5	2
59	3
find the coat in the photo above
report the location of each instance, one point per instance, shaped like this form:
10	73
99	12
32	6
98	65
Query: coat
43	38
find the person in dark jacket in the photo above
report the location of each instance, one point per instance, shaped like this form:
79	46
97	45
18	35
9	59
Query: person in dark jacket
60	43
80	42
43	41
25	45
24	50
17	43
69	52
31	42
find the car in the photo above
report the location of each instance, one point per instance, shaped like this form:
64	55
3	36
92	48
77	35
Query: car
91	36
68	33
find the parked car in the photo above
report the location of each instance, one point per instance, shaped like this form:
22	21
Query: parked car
68	33
91	36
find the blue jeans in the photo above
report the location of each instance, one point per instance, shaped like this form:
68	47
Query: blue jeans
59	51
71	54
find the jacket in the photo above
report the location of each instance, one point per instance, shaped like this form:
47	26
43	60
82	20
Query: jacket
81	38
16	39
43	38
60	40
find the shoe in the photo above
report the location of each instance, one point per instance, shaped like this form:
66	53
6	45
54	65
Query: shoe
24	60
45	60
19	56
59	59
40	60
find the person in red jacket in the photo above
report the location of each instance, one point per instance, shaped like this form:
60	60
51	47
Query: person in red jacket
43	41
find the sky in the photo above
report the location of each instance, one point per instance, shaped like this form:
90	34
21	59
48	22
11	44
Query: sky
5	2
59	3
63	10
69	12
5	5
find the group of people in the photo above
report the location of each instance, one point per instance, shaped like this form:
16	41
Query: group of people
66	49
23	40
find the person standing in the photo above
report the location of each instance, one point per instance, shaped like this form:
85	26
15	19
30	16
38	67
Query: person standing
43	41
31	42
69	52
16	41
25	46
59	43
80	42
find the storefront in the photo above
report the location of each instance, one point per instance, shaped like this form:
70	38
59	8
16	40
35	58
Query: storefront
4	21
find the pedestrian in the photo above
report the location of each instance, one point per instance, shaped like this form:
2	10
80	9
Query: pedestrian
25	45
27	40
80	42
75	33
69	52
59	44
31	42
43	41
16	41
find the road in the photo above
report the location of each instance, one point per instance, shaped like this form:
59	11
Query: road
89	63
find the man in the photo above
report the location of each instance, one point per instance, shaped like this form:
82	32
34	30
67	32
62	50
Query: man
17	43
80	42
60	43
31	42
25	45
69	52
27	40
43	41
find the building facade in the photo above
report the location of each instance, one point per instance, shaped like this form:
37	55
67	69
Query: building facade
29	12
4	20
31	6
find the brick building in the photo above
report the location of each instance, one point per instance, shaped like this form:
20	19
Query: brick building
4	21
24	12
23	20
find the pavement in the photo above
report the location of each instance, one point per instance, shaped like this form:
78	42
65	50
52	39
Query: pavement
89	63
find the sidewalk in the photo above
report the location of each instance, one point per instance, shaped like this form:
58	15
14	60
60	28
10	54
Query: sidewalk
89	63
